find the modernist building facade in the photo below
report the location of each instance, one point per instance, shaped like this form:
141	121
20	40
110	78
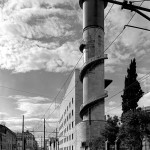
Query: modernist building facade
69	114
7	139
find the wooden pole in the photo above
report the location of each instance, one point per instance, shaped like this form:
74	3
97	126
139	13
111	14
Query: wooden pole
23	144
44	134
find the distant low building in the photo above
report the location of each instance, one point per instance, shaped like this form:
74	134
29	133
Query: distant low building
52	144
29	141
8	140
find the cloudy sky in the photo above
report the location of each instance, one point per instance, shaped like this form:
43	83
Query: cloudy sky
39	42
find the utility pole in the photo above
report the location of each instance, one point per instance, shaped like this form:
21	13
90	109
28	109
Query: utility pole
41	142
23	144
44	134
56	138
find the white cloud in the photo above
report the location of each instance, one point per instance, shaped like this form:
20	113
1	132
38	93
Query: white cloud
144	78
111	103
31	27
30	56
28	19
33	35
131	43
3	115
145	100
34	107
35	100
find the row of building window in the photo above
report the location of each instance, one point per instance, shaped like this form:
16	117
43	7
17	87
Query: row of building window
69	127
65	121
67	148
61	134
68	117
60	126
68	107
61	142
66	111
61	119
66	139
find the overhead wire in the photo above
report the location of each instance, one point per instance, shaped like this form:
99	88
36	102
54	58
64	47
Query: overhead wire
109	45
73	69
63	85
28	92
122	30
139	80
109	11
108	48
121	105
112	41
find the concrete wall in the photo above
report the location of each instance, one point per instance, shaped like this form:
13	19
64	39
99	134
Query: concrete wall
85	133
78	98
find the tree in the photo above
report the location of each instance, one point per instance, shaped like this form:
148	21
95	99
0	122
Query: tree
132	89
134	120
111	129
134	128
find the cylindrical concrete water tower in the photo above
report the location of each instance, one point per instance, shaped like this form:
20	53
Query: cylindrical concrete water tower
92	73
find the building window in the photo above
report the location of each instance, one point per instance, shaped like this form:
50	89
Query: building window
69	115
69	104
65	112
65	122
72	124
72	136
65	131
72	147
69	137
72	100
67	108
72	112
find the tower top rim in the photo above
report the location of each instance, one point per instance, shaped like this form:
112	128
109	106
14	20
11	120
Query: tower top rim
82	1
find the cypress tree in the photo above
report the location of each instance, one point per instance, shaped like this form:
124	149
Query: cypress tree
132	89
